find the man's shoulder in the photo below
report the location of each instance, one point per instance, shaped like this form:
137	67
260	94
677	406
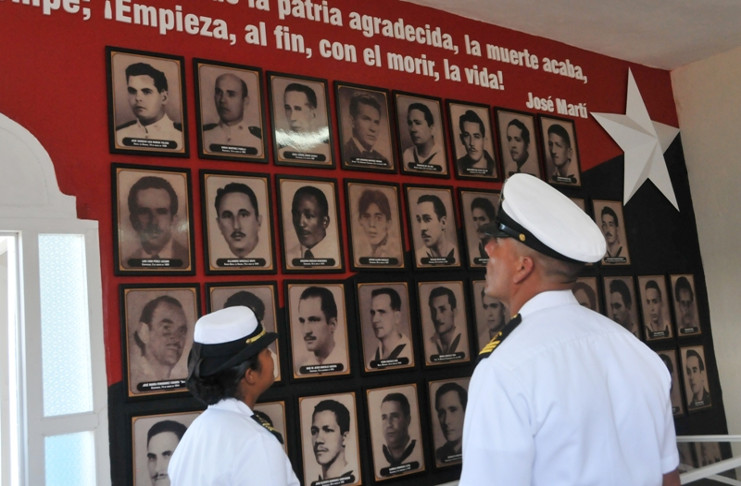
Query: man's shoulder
126	125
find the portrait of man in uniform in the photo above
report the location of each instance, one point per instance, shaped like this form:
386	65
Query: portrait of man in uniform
159	333
385	322
471	138
238	222
421	135
585	291
301	121
609	217
448	400
154	439
491	314
560	151
365	131
478	208
329	440
442	311
375	225
395	431
152	217
622	306
685	304
517	143
147	107
230	111
433	227
309	215
696	384
318	322
655	303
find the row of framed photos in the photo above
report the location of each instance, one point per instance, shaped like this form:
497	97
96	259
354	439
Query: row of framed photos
147	115
334	439
400	326
152	217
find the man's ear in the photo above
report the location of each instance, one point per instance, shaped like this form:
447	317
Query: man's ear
332	322
526	266
143	332
325	221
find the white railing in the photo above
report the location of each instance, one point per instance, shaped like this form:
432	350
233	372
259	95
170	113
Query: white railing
690	474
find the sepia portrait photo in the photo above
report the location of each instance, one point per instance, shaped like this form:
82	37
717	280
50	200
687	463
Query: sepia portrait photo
386	325
375	225
262	298
518	143
586	291
317	318
609	217
622	306
302	134
396	431
152	220
272	415
154	439
696	386
560	151
443	315
158	334
655	303
146	99
472	139
685	304
491	314
329	440
364	128
433	226
309	225
230	114
448	400
238	220
669	357
478	208
421	135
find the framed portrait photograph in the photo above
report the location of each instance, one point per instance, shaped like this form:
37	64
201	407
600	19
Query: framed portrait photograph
396	431
146	103
622	306
386	325
444	320
273	414
609	217
330	449
230	111
518	143
433	226
364	123
560	151
374	214
153	440
586	291
262	298
490	313
302	132
657	322
317	318
238	220
421	135
152	220
478	207
669	357
157	324
448	399
472	139
309	225
696	386
685	304
708	453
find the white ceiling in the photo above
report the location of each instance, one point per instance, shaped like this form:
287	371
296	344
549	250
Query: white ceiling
660	33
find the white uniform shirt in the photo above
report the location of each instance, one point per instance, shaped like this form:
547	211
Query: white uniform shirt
569	398
226	446
162	129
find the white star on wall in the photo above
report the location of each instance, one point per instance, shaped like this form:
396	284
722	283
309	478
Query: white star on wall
644	143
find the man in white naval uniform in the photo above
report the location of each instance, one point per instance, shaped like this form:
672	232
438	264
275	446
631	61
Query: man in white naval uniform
562	396
231	98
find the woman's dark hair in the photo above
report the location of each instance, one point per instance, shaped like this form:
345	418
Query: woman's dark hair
224	384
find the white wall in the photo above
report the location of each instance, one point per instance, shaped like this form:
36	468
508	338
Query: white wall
708	98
